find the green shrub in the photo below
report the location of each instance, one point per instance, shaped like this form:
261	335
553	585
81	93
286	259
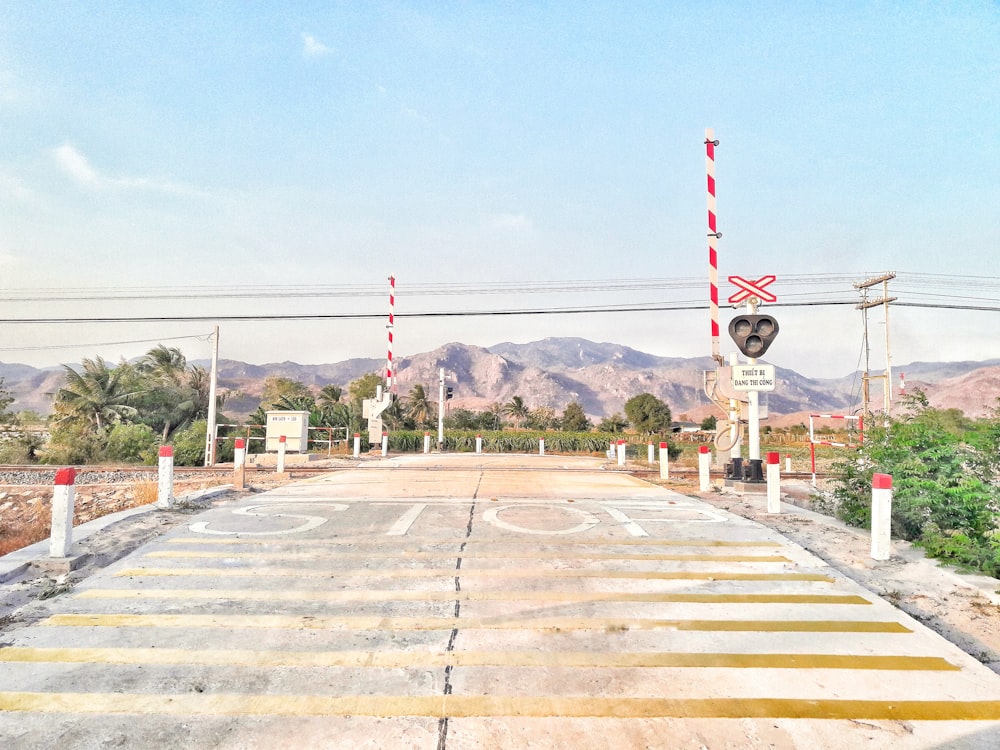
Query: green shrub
132	443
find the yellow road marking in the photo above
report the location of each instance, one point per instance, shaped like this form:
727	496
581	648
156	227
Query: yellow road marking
422	555
438	596
461	706
457	541
712	575
361	622
403	659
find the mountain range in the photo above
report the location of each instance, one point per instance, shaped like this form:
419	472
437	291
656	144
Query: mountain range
556	371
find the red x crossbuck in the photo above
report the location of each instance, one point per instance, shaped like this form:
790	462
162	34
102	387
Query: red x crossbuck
752	289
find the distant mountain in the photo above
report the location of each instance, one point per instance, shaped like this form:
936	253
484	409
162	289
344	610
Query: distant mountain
556	371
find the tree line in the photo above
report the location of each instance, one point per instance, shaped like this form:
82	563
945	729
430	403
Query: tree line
125	411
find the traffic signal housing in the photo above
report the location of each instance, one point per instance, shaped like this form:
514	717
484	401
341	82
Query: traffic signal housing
753	334
449	393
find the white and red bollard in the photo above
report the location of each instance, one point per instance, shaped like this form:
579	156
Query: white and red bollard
788	463
239	464
63	497
881	516
165	478
664	461
704	465
427	442
385	444
479	444
282	447
357	445
650	453
773	483
541	446
621	452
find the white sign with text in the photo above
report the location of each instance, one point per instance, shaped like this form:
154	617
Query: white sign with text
753	377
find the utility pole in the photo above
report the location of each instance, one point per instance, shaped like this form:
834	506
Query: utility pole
441	411
864	306
213	378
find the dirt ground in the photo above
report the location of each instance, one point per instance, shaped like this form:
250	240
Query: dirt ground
964	609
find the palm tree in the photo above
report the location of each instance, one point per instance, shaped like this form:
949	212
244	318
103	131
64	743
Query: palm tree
98	396
418	407
516	410
176	396
329	395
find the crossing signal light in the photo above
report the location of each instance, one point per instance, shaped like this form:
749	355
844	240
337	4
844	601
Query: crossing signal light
449	393
753	334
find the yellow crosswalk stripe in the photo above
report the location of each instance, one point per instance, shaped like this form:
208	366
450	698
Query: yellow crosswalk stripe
377	622
424	555
462	706
680	575
483	595
403	659
458	541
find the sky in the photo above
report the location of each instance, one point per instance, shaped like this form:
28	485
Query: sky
168	160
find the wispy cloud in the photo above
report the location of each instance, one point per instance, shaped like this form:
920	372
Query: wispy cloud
77	167
517	222
313	47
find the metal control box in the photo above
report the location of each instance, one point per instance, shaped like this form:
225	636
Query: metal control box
294	425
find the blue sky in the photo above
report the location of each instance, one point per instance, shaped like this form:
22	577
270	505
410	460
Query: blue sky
228	145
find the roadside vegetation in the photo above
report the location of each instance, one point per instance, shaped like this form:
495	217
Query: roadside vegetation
945	471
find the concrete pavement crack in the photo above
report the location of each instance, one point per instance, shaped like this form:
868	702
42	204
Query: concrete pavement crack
443	721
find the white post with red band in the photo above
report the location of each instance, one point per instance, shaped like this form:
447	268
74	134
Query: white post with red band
650	453
357	445
63	497
704	464
240	454
165	478
541	446
385	444
773	483
713	239
621	452
282	447
427	442
664	461
881	516
479	443
788	463
392	322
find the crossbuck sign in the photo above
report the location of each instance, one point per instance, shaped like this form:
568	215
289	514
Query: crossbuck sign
752	289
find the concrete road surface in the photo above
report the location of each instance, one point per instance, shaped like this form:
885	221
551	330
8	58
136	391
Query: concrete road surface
482	602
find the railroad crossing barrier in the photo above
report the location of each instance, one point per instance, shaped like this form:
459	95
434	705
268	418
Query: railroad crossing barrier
63	496
881	516
165	478
773	483
704	462
664	461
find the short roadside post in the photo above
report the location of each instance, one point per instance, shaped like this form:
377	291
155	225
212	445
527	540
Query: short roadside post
357	445
650	453
427	442
773	483
385	444
664	461
881	516
541	446
788	463
621	452
704	461
282	447
63	496
239	464
479	443
165	478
